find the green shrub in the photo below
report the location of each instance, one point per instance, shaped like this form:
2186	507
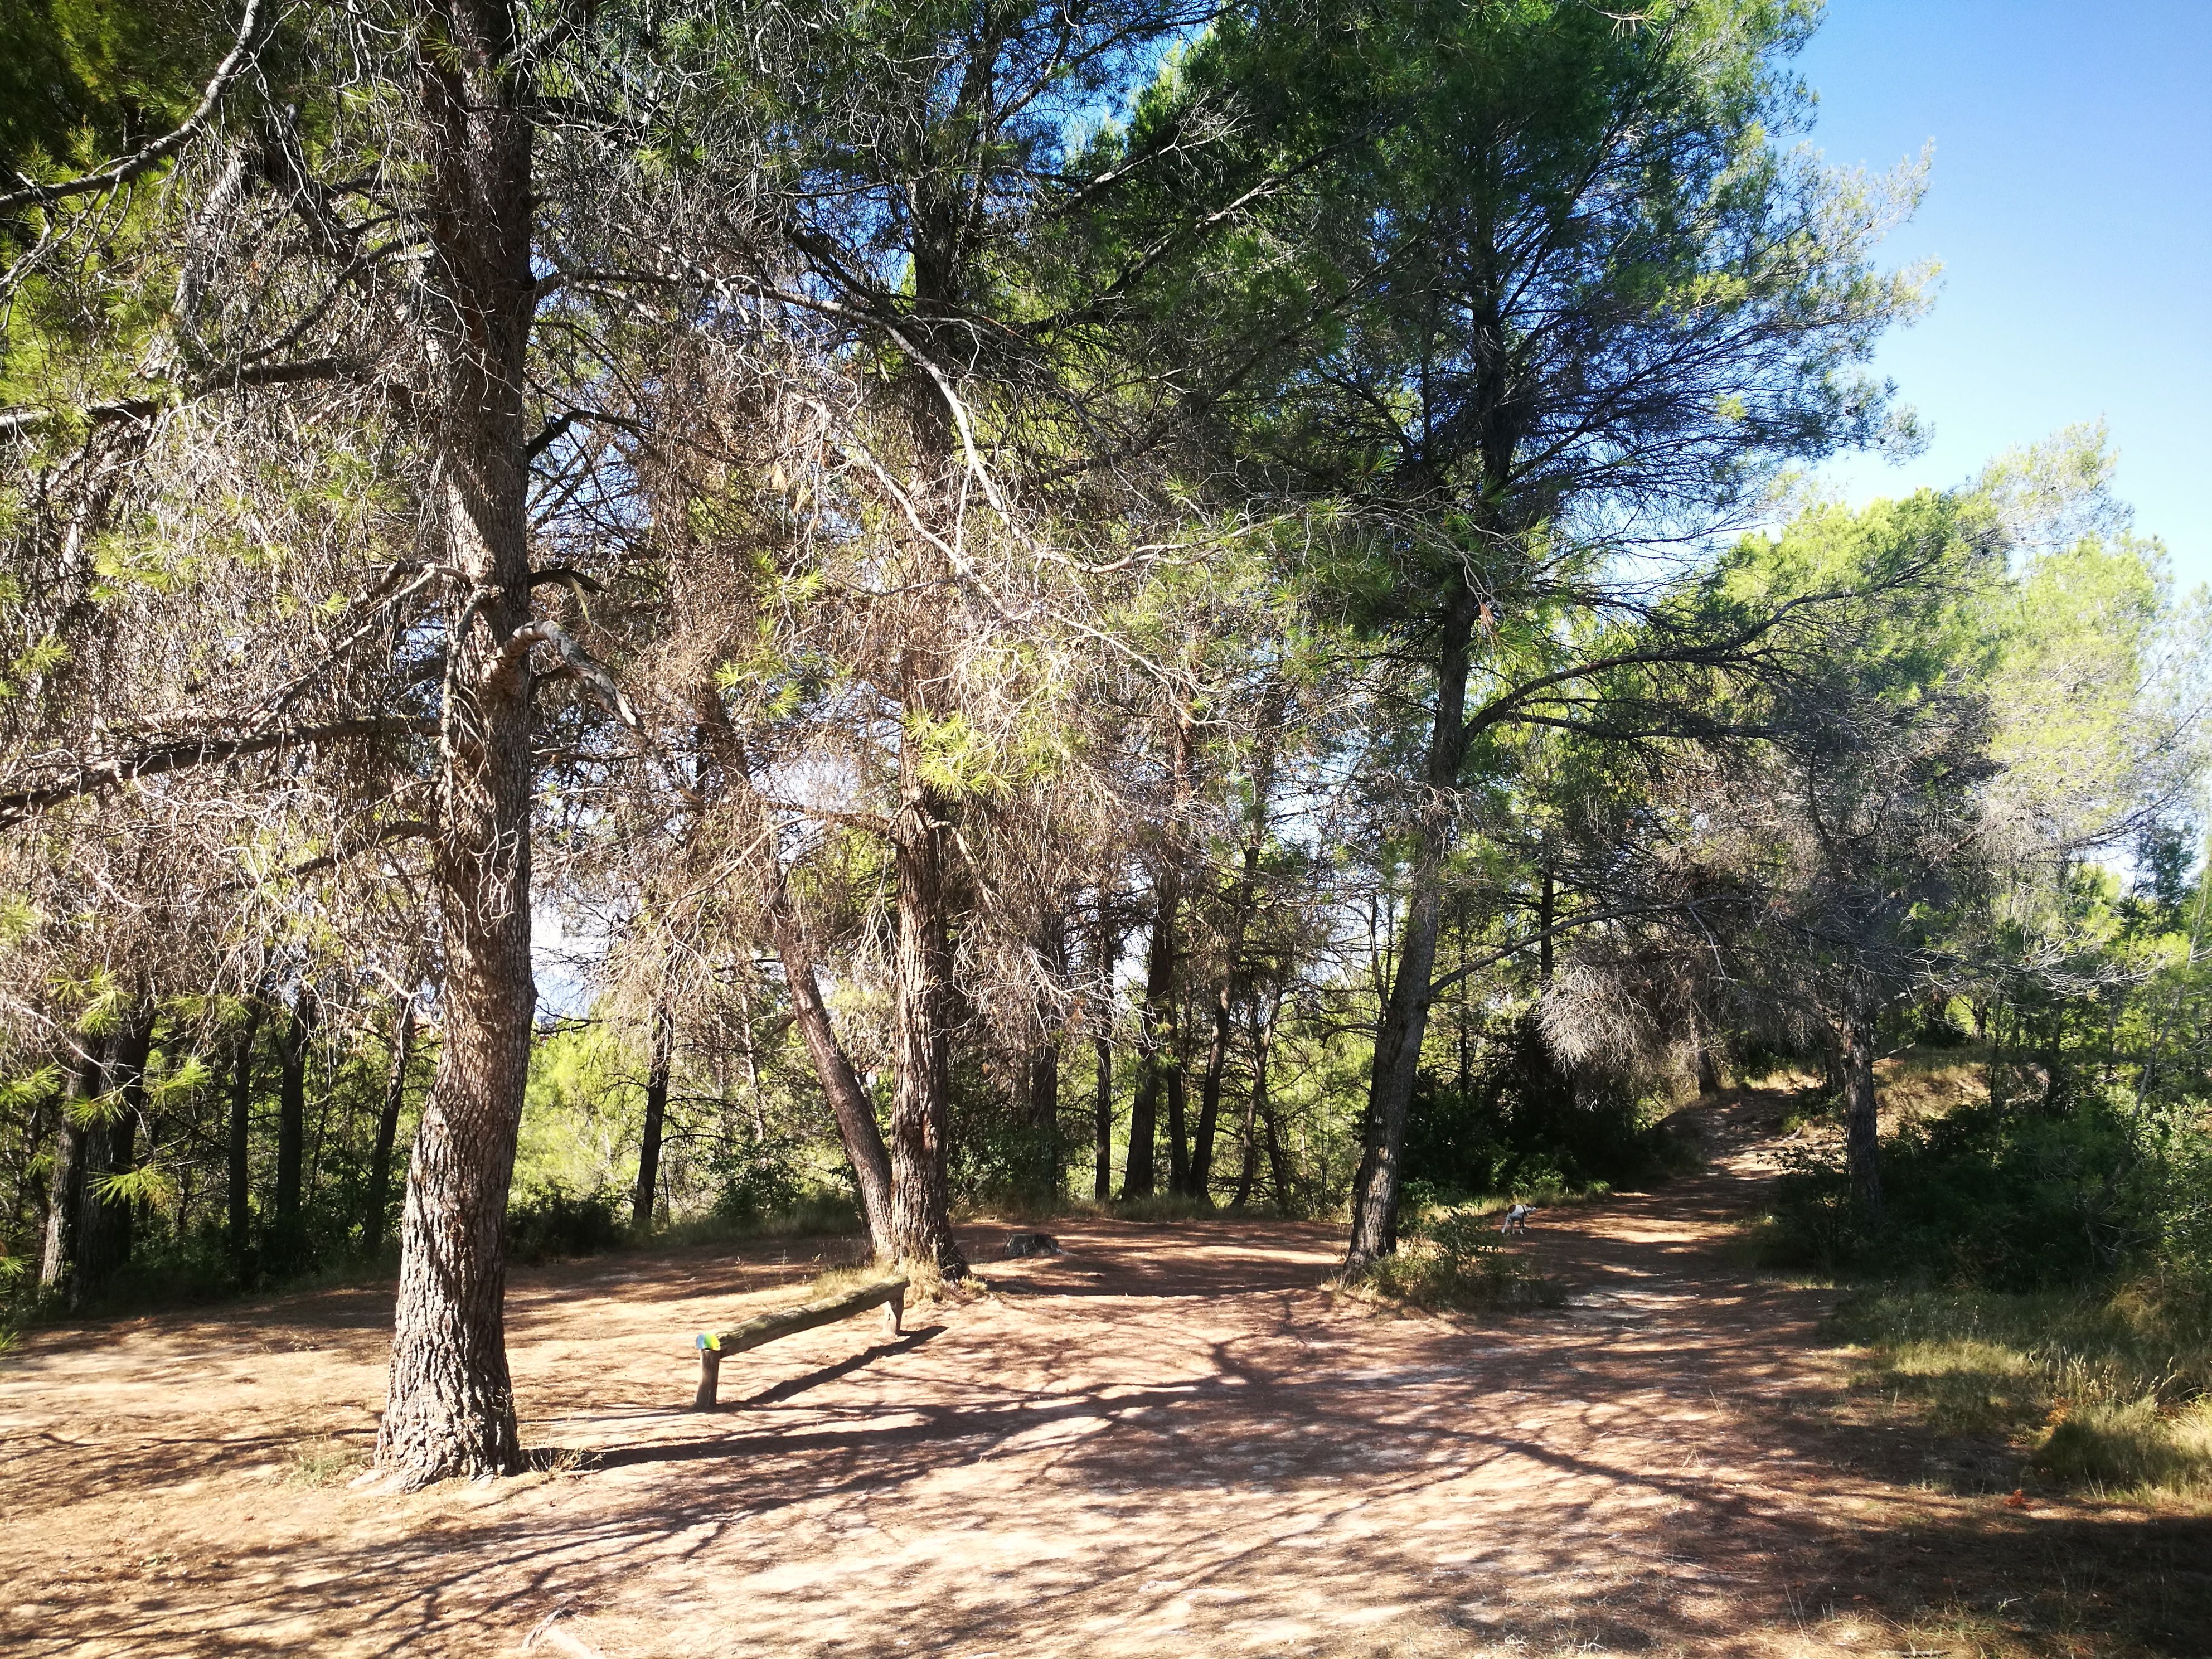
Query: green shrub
1521	1124
554	1222
2108	1390
1455	1260
2011	1197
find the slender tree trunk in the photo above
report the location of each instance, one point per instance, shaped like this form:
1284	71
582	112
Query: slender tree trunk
451	1409
1156	1044
239	1176
289	1237
65	1203
105	1224
1217	1053
656	1113
1248	1168
1709	1071
1041	1079
1108	947
1546	907
1102	1175
921	1204
1263	1104
850	1104
1406	1014
1855	1046
377	1212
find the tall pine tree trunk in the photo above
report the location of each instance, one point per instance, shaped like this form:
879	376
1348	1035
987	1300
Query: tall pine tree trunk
450	1409
656	1115
921	1204
1241	901
855	1114
1156	1044
1106	949
288	1233
1159	1048
1040	1073
57	1267
1404	1020
1854	1060
105	1224
238	1193
376	1211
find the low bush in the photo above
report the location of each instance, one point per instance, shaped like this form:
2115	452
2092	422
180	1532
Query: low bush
2109	1390
2004	1197
1457	1262
554	1222
1523	1126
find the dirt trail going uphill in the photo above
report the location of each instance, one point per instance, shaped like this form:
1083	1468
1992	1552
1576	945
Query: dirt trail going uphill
1170	1440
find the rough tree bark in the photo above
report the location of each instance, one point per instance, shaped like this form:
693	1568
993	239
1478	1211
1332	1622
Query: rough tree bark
105	1224
1041	1072
1157	1047
1406	1015
1263	1041
1108	946
451	1407
288	1233
1854	1060
239	1174
1232	952
849	1104
921	1203
656	1114
376	1211
65	1205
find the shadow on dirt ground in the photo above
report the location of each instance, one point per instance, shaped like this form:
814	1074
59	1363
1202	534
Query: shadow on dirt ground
1174	1439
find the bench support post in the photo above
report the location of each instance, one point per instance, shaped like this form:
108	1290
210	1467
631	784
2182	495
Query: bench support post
710	1375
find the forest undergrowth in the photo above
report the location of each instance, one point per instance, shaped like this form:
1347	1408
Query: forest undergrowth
2014	1290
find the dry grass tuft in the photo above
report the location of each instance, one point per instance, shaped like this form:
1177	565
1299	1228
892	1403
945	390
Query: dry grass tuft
2112	1394
324	1462
1456	1264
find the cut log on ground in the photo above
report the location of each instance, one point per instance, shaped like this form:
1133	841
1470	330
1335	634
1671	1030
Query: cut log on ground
889	1294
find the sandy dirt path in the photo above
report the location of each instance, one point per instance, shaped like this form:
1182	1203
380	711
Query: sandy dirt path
1170	1440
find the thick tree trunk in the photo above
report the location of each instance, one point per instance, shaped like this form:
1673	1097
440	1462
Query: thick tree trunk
104	1246
922	1205
65	1202
238	1193
1855	1046
1406	1014
656	1114
451	1409
288	1235
377	1212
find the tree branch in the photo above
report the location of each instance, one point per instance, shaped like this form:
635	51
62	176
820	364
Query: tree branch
123	169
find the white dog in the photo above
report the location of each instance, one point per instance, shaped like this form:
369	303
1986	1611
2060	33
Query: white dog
1517	1220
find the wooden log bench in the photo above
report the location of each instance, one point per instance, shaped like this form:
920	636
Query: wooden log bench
889	1294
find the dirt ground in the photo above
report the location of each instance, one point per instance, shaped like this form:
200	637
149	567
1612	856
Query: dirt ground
1170	1440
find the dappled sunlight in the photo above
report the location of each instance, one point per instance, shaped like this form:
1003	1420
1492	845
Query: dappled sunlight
1172	1439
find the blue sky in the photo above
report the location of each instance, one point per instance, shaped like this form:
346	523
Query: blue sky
2071	205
